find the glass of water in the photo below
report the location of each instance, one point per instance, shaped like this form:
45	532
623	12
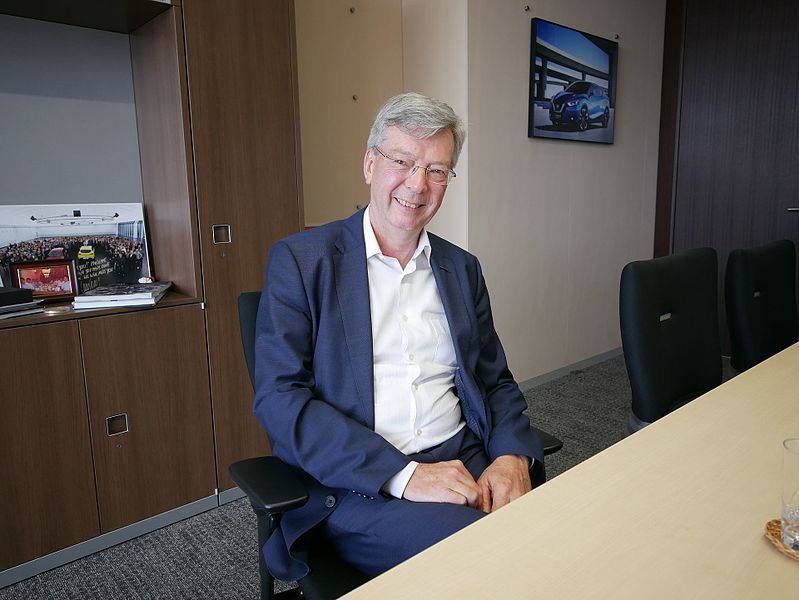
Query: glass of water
790	493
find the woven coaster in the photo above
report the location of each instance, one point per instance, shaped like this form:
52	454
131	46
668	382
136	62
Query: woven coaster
774	533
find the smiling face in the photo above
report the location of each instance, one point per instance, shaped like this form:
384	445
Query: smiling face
400	206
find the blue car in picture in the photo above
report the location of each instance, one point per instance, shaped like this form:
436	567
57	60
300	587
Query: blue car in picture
579	104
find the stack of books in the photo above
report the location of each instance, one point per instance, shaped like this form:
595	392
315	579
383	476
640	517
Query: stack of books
15	302
122	294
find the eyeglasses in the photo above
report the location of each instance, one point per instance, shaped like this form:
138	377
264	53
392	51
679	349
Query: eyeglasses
407	169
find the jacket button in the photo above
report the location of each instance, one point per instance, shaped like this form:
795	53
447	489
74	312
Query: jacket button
330	501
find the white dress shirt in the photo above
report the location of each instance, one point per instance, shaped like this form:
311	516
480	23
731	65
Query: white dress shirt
414	357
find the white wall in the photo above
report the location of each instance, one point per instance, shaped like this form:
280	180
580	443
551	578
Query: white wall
67	117
435	63
554	221
341	54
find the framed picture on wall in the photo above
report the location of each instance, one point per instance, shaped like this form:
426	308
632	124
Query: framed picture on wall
572	84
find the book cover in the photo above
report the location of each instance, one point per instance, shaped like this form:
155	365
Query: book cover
125	291
115	303
11	308
20	313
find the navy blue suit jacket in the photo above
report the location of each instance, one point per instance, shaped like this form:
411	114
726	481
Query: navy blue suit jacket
314	380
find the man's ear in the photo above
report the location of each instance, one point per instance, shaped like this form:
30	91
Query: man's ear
368	166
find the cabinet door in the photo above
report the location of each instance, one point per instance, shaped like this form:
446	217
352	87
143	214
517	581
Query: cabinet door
48	499
150	411
242	85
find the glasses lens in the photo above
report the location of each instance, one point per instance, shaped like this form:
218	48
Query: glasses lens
438	176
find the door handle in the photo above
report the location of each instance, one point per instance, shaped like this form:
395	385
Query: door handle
116	424
221	234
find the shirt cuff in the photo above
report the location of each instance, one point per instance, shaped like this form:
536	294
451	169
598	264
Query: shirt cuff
396	485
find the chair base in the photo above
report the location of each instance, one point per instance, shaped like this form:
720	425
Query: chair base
635	424
292	594
331	577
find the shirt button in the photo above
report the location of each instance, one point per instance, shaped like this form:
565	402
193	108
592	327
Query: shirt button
415	387
410	357
404	317
418	432
330	501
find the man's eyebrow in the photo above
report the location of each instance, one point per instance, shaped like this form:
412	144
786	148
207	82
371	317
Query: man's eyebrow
399	152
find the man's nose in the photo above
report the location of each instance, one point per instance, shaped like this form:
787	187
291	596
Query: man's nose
417	178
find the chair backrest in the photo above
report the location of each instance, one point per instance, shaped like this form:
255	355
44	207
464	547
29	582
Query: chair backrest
760	291
668	312
248	311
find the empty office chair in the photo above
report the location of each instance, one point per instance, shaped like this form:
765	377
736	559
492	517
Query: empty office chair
273	488
668	312
760	291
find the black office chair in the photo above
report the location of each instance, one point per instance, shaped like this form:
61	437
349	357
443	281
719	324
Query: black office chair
668	313
273	488
760	293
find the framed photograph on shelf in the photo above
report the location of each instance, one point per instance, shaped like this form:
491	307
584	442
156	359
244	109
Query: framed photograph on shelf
572	84
49	280
108	242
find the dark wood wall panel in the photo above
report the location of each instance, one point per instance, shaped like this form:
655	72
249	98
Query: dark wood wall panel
669	124
739	127
738	130
242	93
48	500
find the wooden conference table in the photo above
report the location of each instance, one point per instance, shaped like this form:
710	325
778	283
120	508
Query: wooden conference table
677	510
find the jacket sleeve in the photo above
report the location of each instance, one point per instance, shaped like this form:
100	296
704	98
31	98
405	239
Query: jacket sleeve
308	431
510	431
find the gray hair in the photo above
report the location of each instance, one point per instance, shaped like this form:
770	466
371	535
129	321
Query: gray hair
418	116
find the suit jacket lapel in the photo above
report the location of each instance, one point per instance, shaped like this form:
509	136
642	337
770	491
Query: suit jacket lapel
352	289
449	289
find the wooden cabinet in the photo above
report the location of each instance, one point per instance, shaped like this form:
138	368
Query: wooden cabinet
149	370
217	124
75	471
48	499
242	96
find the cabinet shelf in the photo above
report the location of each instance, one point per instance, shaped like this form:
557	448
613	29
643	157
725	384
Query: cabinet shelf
169	299
120	16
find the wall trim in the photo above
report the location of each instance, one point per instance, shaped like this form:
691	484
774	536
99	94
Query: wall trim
529	384
231	495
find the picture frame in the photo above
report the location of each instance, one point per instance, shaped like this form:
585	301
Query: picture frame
572	84
107	241
49	280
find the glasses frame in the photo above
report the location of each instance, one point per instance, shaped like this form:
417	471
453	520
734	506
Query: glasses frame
450	172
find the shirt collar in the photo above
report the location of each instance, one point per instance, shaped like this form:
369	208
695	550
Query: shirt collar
373	248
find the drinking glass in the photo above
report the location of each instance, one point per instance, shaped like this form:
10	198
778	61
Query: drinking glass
790	493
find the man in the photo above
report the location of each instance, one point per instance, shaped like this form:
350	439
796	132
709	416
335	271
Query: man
378	369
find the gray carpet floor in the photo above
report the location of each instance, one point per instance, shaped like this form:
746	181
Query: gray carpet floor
213	555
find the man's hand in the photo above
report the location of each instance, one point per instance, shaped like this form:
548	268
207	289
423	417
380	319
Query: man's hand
504	480
443	482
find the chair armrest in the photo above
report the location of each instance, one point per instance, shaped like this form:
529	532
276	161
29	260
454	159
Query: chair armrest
270	484
550	443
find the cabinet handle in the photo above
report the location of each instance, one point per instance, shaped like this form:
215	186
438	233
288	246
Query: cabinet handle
793	209
116	424
221	233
